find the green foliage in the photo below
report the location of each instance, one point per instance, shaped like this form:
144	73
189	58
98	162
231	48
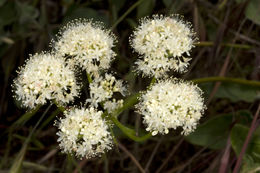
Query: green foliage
252	156
233	92
145	8
214	132
7	14
26	28
252	10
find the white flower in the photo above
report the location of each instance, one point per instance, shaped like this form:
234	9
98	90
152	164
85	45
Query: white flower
110	106
170	104
87	43
103	88
45	77
84	132
161	42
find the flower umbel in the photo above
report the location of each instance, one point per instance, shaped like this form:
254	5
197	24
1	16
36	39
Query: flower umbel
161	42
45	76
103	88
171	104
87	43
84	132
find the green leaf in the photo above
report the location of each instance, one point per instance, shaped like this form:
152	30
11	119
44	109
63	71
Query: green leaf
234	92
2	2
27	13
167	3
214	132
118	4
238	136
249	166
145	8
7	14
253	11
34	166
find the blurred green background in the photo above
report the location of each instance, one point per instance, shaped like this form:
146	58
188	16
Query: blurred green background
229	35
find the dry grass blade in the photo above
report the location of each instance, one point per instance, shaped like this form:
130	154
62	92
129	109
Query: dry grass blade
122	147
17	164
225	157
170	155
153	154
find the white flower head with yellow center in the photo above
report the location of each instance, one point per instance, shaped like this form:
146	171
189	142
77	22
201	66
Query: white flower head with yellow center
87	43
162	42
45	76
170	104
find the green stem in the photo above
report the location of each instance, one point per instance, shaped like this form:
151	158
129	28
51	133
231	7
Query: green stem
126	13
25	117
223	3
152	82
130	101
210	43
128	131
227	79
89	78
61	108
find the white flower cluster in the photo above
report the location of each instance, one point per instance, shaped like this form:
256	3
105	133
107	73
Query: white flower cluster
87	43
161	42
51	76
170	104
45	77
84	132
102	90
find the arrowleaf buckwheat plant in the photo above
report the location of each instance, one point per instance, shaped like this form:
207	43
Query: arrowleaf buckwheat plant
129	86
168	104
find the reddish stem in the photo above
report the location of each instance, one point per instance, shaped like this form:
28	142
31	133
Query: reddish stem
249	135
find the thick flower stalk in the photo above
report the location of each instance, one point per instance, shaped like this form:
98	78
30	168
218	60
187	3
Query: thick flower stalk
86	44
170	104
45	76
162	43
84	133
102	90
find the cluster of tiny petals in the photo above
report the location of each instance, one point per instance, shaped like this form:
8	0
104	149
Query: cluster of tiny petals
170	104
161	42
84	132
110	106
45	76
103	88
88	45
